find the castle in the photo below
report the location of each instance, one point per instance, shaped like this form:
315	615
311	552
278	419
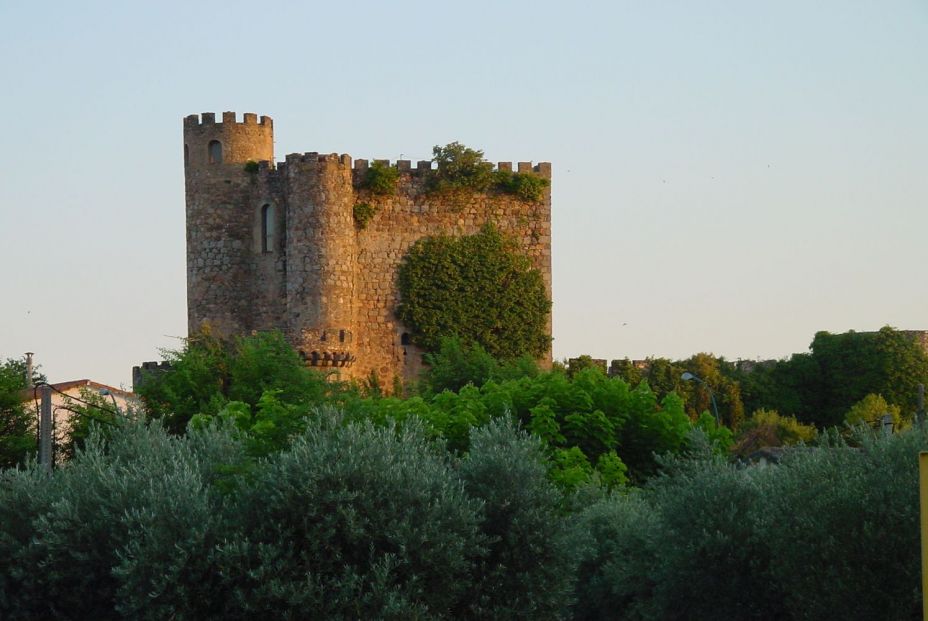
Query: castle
276	245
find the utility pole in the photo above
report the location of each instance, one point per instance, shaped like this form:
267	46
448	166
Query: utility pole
45	428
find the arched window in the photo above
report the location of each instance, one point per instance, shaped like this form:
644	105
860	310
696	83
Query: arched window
268	228
215	152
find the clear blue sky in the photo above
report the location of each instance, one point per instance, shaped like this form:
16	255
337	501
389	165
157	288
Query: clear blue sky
728	176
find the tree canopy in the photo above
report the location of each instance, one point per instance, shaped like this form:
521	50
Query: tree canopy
17	420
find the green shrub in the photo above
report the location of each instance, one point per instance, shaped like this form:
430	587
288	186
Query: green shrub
363	213
455	365
850	518
870	411
381	178
768	428
526	186
123	531
617	538
460	168
528	570
208	373
352	521
711	560
251	166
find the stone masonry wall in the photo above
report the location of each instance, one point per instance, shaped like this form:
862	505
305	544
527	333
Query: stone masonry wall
399	222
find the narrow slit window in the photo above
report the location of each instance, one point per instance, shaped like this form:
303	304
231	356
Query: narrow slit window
404	339
341	336
215	152
186	154
268	232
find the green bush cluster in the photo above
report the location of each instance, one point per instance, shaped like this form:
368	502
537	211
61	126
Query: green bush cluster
351	521
832	533
768	428
210	375
526	186
593	428
462	169
359	520
381	178
477	288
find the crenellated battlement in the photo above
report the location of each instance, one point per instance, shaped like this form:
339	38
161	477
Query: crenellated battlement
542	169
312	157
228	118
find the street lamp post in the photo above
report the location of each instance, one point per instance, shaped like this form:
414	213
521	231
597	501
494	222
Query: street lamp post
105	392
687	377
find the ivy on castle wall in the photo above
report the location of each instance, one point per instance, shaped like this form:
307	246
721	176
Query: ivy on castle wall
479	288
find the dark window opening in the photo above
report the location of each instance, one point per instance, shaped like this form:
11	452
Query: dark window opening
341	336
267	228
404	339
215	152
186	155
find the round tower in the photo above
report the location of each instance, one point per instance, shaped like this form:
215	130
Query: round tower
208	143
225	196
322	259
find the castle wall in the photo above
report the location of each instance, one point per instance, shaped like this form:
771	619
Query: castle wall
406	217
278	248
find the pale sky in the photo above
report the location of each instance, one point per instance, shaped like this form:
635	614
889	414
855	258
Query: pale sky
728	177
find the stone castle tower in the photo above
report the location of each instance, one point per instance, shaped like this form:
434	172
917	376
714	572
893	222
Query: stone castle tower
276	246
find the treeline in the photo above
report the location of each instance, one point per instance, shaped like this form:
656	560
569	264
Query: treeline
816	388
358	520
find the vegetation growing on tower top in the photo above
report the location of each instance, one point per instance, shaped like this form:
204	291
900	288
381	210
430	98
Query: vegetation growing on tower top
462	169
381	178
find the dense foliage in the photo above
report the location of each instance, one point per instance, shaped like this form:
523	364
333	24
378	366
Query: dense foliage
210	375
361	520
817	388
461	169
381	178
17	419
478	288
708	540
768	428
665	376
350	521
499	491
